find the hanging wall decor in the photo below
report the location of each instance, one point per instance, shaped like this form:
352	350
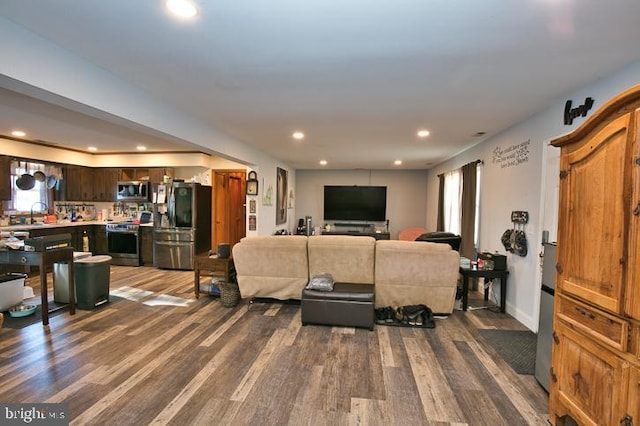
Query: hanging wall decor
281	196
268	195
515	239
252	183
290	199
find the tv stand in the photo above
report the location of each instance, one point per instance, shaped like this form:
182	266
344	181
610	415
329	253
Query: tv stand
376	235
354	224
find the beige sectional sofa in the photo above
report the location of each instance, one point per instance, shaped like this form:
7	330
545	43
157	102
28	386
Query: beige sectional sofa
403	272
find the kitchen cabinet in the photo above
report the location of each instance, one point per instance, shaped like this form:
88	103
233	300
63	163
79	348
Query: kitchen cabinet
105	181
5	177
100	184
99	241
77	184
152	174
595	355
146	245
157	174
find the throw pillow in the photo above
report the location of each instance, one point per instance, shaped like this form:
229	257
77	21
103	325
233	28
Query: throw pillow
322	282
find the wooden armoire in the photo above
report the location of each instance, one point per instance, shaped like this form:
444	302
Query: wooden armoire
595	365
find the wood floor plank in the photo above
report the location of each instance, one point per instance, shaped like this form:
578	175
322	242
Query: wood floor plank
201	363
438	399
508	381
386	353
223	328
93	413
250	378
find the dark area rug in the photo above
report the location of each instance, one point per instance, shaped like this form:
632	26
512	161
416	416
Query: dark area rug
516	347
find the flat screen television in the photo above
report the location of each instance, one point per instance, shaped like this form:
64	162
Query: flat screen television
360	203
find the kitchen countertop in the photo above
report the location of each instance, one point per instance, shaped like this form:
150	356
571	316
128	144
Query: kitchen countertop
64	224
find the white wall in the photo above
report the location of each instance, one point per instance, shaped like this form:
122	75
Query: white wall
406	194
525	186
265	212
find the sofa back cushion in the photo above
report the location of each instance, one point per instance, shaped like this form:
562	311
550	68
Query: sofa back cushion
272	266
349	259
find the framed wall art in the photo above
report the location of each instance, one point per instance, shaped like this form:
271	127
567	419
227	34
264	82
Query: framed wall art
282	191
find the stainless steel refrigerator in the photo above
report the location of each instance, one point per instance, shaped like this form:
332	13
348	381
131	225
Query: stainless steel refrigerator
182	224
545	324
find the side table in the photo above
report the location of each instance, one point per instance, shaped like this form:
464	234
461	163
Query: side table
44	260
483	273
223	268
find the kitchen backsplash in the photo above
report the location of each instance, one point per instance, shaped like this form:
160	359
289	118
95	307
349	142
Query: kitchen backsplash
76	211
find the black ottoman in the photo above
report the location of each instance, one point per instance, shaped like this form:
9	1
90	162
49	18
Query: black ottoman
348	305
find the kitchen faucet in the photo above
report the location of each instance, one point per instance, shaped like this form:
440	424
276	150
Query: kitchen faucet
33	205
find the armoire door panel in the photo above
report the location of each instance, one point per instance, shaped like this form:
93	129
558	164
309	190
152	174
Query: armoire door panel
633	276
586	372
594	234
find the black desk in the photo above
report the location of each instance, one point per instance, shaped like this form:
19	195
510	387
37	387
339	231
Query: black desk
43	260
483	273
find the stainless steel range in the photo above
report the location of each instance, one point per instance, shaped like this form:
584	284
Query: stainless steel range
123	241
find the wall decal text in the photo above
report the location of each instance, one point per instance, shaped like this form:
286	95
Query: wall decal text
513	155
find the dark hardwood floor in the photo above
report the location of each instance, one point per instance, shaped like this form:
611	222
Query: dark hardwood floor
157	355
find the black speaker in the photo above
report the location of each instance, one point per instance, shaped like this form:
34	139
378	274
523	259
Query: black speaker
223	250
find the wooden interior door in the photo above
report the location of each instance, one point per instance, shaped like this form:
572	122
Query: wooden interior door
237	227
220	219
228	207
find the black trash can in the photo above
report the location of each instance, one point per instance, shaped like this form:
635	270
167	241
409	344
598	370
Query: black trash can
92	281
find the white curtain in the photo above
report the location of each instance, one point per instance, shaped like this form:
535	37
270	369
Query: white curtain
452	201
25	200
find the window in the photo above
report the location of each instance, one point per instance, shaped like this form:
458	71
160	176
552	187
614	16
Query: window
25	200
452	201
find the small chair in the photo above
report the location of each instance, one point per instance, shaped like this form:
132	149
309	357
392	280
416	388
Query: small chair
410	234
442	237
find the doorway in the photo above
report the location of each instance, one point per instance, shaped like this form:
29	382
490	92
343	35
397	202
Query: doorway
228	207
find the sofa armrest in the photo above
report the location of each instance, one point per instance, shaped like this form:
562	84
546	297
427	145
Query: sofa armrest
412	272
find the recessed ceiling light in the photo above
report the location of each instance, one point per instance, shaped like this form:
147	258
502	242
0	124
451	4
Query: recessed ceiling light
397	162
141	148
423	133
298	135
19	133
323	162
182	8
92	148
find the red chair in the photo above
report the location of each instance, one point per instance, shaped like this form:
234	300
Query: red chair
410	234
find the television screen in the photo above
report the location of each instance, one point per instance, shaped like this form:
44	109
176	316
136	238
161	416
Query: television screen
365	203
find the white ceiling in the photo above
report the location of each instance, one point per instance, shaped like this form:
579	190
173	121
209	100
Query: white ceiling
359	77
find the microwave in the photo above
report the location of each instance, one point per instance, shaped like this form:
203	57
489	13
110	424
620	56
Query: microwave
137	190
